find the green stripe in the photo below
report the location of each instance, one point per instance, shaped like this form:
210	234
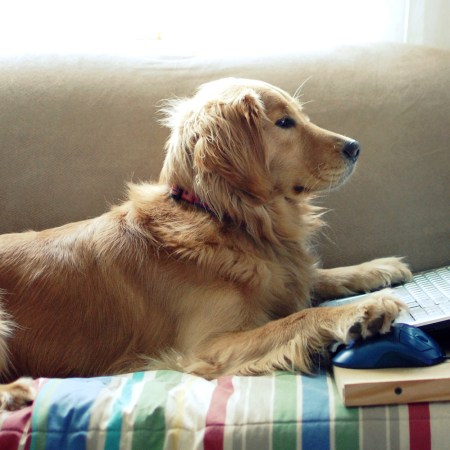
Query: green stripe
346	431
114	427
39	418
150	424
284	436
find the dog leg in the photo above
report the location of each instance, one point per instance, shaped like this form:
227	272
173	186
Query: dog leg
292	343
365	277
16	395
21	392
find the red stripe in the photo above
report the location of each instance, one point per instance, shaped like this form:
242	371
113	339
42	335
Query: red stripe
15	425
419	426
215	419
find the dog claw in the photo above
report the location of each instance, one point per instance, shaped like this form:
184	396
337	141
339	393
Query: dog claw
355	330
375	325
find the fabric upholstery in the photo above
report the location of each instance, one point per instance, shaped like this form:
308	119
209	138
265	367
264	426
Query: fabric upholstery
75	128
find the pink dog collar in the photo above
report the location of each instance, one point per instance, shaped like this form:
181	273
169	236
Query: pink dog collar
178	193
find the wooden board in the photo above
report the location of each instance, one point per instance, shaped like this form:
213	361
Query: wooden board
393	386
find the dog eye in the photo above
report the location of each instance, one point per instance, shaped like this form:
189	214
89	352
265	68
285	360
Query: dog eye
285	122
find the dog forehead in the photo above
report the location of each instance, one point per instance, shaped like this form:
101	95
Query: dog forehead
274	98
278	101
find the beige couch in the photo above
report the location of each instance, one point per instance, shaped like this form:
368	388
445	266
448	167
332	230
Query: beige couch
74	128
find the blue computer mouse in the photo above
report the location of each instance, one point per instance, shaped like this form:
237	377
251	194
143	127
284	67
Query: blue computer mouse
403	346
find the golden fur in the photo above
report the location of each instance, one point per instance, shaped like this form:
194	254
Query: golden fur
157	282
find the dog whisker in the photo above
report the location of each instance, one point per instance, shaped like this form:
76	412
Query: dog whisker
298	91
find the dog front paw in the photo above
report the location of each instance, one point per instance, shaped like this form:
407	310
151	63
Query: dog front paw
377	274
372	316
365	277
382	272
17	395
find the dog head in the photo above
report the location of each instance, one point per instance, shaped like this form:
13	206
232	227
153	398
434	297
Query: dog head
250	141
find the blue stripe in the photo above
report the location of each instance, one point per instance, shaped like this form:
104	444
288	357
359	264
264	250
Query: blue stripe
69	413
40	415
316	413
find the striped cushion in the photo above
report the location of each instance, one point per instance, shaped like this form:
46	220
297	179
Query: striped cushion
170	410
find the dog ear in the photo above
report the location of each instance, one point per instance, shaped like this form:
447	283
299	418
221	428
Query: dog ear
230	144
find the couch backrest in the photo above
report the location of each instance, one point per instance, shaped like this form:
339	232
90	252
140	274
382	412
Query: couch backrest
74	129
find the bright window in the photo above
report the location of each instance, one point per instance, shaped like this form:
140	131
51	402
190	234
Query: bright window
259	24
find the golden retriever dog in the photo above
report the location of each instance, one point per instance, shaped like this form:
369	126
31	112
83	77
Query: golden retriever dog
209	271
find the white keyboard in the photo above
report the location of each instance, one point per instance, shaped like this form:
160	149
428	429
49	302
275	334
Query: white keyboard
427	296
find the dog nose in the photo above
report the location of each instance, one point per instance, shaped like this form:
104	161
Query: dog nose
351	150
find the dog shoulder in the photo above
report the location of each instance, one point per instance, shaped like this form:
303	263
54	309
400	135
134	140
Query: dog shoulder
159	217
186	233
